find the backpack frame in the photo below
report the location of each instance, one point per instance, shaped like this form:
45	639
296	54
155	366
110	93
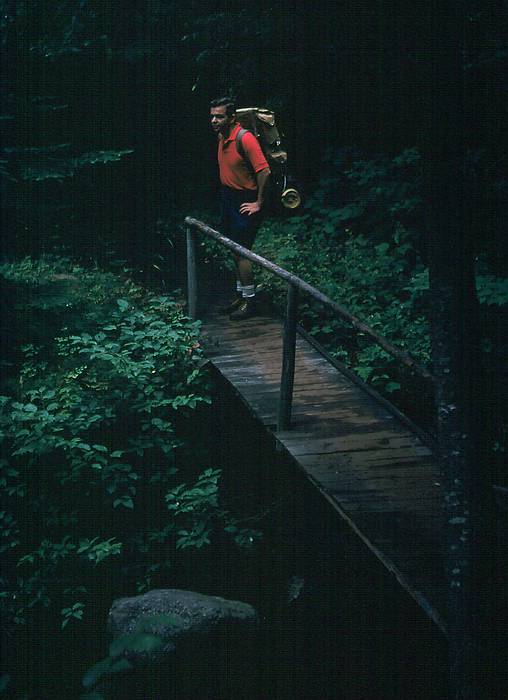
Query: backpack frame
261	123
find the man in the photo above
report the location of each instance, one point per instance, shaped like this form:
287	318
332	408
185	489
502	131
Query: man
243	179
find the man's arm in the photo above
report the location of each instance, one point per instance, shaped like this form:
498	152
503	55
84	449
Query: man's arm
250	208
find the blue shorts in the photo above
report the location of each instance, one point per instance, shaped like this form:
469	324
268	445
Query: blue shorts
241	228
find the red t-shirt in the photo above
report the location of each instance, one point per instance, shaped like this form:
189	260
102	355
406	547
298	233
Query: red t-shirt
234	171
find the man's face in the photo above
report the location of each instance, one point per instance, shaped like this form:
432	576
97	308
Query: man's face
221	123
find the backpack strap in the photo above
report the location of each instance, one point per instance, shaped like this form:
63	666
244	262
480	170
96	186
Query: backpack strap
239	147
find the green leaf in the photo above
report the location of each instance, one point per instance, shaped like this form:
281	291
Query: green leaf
392	386
123	501
27	559
100	448
364	372
123	304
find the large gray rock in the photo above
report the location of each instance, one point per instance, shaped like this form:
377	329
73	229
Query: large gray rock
191	625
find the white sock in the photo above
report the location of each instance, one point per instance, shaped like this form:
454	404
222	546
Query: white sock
239	287
248	291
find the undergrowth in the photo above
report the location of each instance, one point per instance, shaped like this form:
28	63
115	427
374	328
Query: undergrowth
103	488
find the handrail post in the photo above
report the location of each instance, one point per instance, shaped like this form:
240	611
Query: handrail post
191	274
288	360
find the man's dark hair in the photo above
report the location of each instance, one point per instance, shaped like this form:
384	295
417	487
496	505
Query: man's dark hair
226	102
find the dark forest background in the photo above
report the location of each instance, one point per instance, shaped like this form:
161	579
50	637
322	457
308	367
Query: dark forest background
82	77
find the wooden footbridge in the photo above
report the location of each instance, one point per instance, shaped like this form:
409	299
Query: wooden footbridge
370	463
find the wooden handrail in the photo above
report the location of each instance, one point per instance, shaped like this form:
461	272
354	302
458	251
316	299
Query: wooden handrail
295	284
292	279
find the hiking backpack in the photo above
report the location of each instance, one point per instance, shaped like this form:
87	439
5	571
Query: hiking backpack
261	123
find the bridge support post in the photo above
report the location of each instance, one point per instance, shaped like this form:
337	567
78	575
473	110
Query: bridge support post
288	360
191	274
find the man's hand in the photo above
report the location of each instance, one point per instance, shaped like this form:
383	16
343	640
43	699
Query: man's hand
250	208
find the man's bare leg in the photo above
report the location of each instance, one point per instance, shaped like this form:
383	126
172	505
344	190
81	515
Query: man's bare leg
246	278
244	270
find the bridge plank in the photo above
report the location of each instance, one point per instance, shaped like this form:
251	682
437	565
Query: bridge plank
367	463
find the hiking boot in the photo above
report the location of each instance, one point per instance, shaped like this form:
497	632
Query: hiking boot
246	309
232	306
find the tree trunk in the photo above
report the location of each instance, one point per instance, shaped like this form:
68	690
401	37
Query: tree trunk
455	349
454	367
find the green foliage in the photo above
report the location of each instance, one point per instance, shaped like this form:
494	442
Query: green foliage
373	282
199	504
243	536
41	166
146	638
492	290
52	162
372	197
75	612
197	510
89	439
98	551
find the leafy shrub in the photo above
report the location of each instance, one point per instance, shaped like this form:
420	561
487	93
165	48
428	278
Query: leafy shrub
492	290
52	162
373	197
90	443
373	282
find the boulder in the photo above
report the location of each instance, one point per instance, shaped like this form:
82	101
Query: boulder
196	631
